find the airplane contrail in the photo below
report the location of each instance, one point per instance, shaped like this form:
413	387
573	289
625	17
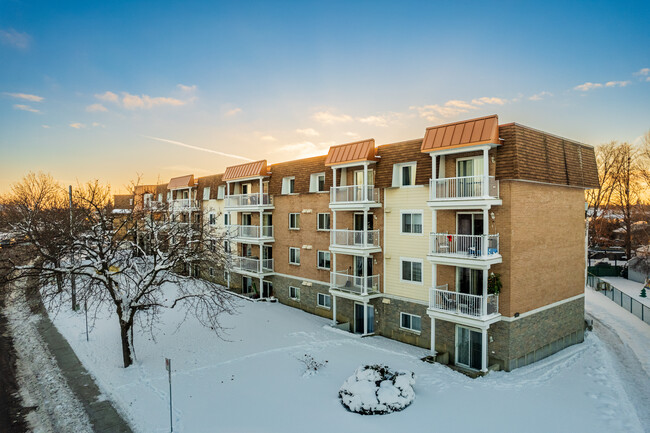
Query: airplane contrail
178	143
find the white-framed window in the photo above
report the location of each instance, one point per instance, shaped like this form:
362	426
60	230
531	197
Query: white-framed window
226	219
213	245
294	256
160	197
294	221
324	301
212	218
130	202
317	182
206	193
226	246
169	195
324	260
410	322
411	222
221	192
211	271
294	293
412	270
324	221
288	185
196	271
358	177
404	174
247	285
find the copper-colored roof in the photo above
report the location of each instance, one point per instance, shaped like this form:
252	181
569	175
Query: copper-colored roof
460	134
351	152
250	169
181	182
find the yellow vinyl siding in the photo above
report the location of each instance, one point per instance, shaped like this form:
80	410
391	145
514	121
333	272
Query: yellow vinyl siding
398	245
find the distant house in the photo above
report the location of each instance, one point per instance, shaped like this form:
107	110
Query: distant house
639	268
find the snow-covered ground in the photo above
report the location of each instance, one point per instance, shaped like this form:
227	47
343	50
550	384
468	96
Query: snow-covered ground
630	288
254	380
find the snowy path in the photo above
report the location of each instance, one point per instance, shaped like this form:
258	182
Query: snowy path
254	382
41	382
627	340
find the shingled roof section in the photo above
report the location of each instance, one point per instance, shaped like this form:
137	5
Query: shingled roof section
460	134
351	152
181	182
529	154
213	182
242	171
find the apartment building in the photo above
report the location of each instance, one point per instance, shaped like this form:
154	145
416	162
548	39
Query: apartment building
469	242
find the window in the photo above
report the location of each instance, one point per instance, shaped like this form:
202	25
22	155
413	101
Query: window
324	260
197	218
226	219
226	246
221	192
212	217
130	202
206	193
195	271
211	271
247	285
294	256
213	245
324	300
410	322
288	185
412	222
317	182
358	177
294	293
412	270
294	221
323	221
160	197
404	174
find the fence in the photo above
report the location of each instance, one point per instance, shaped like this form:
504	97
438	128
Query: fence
605	271
624	300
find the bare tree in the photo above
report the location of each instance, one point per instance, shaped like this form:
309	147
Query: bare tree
600	200
137	281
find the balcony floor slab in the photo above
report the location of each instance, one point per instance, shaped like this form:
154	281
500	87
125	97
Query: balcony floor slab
466	261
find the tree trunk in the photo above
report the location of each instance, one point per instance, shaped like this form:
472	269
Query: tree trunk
126	346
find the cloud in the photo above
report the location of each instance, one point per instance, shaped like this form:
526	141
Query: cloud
351	134
185	88
77	125
454	107
330	118
25	96
643	71
381	121
202	149
96	107
15	39
133	102
108	96
98	125
268	138
587	86
45	126
26	108
616	83
233	112
309	132
539	96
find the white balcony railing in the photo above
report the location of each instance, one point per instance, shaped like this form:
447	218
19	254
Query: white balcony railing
354	238
183	204
474	246
463	187
354	194
252	232
153	204
250	264
353	284
248	200
462	304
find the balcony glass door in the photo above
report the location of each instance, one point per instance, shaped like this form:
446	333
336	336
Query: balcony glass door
470	281
468	347
467	168
469	224
359	317
358	272
358	227
267	223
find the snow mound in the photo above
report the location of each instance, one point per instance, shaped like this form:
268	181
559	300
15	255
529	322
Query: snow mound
376	389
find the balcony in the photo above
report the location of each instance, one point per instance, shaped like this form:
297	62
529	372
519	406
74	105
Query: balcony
183	204
354	241
463	192
360	286
153	205
248	201
250	265
444	301
456	250
250	233
352	197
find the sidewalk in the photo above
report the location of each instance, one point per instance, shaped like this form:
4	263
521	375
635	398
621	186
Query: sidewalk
101	413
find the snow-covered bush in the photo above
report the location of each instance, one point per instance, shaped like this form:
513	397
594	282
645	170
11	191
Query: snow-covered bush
376	389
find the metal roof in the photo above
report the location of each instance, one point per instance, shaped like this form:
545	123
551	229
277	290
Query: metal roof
460	134
249	169
351	152
181	182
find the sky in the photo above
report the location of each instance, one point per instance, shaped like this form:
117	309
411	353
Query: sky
120	90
